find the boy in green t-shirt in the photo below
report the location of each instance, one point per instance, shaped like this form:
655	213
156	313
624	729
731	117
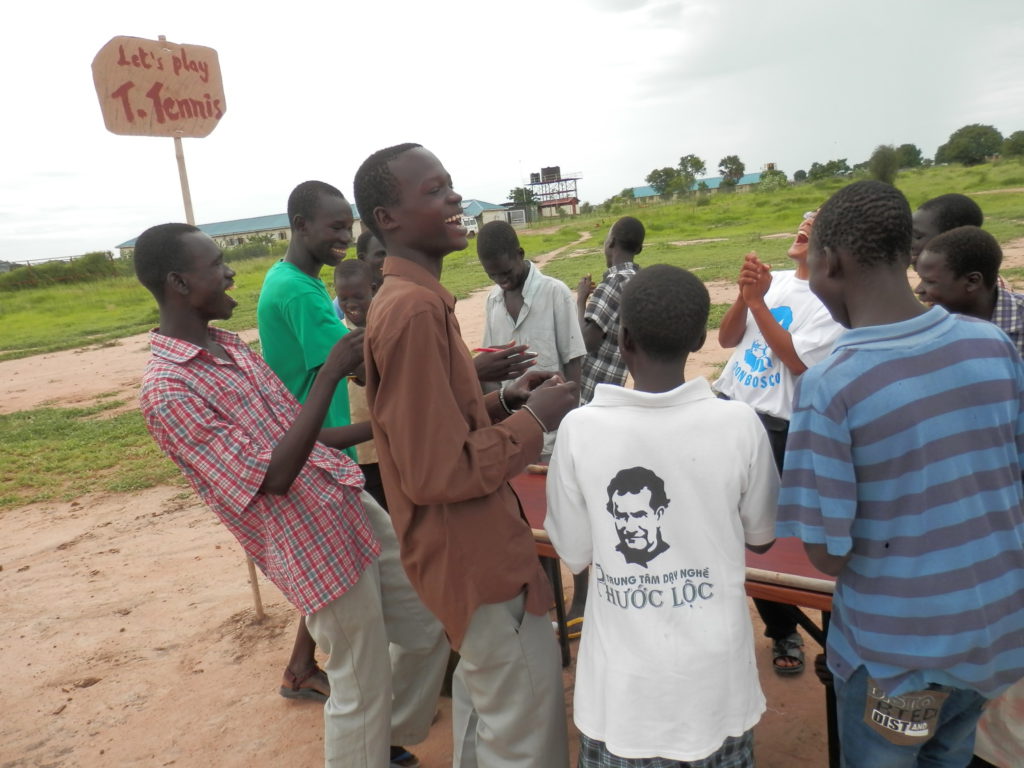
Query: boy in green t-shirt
298	327
297	322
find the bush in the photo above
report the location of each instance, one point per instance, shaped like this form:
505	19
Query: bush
91	266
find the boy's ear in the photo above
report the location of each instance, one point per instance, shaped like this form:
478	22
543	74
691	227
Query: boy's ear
699	344
974	282
177	283
626	342
833	263
383	218
299	222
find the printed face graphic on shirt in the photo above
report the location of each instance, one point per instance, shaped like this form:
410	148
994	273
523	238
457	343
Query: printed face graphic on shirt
637	503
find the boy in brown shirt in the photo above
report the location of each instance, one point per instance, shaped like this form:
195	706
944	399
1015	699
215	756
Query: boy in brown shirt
446	453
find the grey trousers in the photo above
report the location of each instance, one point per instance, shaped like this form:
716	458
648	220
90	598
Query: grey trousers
387	659
508	698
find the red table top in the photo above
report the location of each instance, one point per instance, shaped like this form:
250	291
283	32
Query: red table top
786	555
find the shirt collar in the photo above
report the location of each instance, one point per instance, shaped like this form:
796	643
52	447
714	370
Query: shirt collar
414	273
612	395
626	266
531	283
178	351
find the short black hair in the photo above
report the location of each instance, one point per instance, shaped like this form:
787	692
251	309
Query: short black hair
158	252
629	233
665	309
363	243
497	238
954	210
304	198
969	249
868	219
634	480
375	186
352	268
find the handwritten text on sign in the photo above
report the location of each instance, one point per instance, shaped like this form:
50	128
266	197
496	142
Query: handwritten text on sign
158	88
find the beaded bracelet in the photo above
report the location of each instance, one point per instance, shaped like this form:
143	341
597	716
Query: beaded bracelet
501	399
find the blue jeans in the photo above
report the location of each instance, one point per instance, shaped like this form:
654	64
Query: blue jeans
950	746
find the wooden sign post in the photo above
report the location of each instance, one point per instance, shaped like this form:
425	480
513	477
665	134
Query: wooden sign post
158	88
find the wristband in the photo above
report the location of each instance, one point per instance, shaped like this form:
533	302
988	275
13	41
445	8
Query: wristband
543	429
501	399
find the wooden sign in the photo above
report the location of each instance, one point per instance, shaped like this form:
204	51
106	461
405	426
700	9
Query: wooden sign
158	88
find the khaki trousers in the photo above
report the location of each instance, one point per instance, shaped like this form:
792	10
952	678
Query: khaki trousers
508	699
387	659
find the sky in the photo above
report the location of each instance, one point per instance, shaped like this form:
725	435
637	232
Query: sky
610	89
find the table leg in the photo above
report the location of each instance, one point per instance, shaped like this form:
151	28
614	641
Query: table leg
554	571
831	710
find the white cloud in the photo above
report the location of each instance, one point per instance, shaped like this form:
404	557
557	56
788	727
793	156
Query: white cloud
609	88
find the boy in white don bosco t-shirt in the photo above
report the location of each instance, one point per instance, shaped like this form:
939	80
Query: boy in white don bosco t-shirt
666	664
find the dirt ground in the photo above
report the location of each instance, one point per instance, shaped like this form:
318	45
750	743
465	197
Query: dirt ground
126	620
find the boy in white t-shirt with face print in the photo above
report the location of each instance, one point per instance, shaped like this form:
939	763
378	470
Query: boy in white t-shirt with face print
666	668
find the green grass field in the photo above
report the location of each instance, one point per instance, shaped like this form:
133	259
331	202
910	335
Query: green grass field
68	316
61	453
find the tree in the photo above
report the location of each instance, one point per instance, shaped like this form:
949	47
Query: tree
910	156
664	181
627	194
828	170
884	163
522	196
732	170
690	167
772	181
586	208
970	145
799	176
1013	145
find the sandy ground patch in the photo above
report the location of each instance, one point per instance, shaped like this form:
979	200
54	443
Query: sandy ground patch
126	629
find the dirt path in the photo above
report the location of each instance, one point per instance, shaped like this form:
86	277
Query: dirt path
77	377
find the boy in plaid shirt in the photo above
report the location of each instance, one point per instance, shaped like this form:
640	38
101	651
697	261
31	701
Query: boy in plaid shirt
278	481
599	306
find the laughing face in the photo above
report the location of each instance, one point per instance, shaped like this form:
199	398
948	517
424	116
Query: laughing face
798	250
328	234
507	270
428	215
937	283
354	295
209	278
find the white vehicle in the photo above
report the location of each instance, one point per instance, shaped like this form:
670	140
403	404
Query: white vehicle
472	228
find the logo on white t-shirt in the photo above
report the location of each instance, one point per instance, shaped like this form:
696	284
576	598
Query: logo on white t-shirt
755	370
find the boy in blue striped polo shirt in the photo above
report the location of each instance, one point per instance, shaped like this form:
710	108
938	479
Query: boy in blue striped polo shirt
903	478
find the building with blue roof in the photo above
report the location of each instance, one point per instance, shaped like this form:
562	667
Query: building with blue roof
238	231
648	195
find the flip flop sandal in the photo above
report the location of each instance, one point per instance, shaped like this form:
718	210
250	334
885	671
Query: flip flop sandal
294	689
788	648
404	759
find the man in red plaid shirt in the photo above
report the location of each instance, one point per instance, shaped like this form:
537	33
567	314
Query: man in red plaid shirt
262	463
